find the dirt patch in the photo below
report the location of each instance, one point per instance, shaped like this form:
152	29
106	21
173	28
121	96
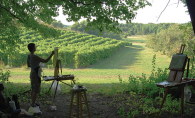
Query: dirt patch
98	106
101	106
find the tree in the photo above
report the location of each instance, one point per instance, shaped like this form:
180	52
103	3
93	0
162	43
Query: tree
75	26
57	24
166	40
15	13
82	26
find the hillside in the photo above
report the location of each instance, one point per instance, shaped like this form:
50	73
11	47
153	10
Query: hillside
74	48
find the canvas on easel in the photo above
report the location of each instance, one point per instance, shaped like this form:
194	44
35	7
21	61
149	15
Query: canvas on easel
177	66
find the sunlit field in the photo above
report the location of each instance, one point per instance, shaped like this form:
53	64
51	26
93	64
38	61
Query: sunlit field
129	60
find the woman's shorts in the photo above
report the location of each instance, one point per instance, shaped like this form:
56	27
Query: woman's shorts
35	85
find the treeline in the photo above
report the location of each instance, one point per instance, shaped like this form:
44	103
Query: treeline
128	29
55	24
168	41
81	28
142	29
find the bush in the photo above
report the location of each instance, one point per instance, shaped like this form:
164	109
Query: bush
146	85
25	67
4	76
7	67
2	65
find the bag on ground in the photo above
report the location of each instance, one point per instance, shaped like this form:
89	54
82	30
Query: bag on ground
54	87
187	93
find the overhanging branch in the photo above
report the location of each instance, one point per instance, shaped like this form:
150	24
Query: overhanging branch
13	14
86	4
163	10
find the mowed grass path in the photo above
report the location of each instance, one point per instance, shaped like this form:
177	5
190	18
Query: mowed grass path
136	38
134	60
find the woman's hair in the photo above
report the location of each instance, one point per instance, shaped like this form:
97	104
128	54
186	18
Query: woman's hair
31	46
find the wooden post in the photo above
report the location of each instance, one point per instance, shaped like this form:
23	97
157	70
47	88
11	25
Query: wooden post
193	62
188	68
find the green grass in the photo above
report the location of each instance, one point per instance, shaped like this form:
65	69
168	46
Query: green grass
134	60
103	78
136	39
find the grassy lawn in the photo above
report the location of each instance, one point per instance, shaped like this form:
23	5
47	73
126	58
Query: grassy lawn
130	60
134	60
136	39
103	77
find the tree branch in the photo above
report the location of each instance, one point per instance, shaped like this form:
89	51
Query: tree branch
13	15
163	10
178	3
85	4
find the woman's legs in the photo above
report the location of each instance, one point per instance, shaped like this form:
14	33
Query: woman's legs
33	97
31	94
35	86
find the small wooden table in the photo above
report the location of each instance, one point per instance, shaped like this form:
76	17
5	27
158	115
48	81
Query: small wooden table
79	102
182	84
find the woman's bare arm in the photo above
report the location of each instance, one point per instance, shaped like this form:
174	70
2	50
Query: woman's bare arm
37	58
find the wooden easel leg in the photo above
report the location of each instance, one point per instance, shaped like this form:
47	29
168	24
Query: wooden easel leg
182	100
50	88
163	101
73	81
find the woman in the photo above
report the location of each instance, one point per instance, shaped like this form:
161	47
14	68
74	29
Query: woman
33	62
5	107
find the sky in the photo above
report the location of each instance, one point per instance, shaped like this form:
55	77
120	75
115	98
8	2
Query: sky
174	13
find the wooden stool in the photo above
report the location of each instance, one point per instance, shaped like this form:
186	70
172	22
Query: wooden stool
79	102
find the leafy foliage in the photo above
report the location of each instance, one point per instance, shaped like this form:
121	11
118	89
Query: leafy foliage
142	29
57	24
99	15
80	49
168	41
127	29
4	77
82	25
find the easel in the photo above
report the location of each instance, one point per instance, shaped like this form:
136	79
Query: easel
175	76
60	78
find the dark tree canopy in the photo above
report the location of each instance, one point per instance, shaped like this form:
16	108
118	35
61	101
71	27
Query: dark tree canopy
16	13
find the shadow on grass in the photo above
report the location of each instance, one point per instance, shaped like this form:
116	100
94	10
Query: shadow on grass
23	88
123	58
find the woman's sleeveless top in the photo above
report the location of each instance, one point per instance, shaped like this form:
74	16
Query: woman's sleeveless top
33	64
